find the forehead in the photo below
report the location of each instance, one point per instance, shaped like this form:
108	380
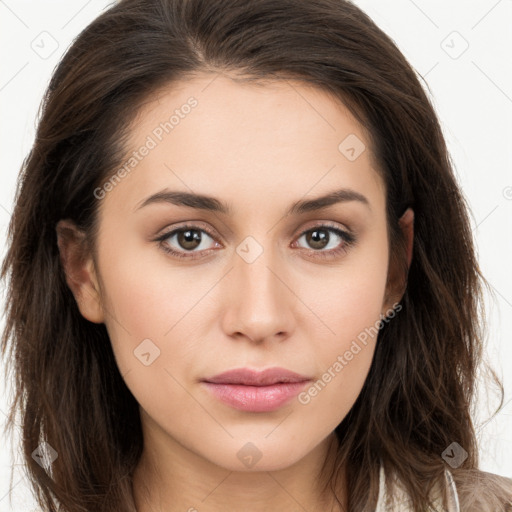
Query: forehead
263	138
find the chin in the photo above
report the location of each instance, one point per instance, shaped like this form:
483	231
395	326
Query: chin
258	455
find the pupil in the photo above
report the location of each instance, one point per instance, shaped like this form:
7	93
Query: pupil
318	238
189	239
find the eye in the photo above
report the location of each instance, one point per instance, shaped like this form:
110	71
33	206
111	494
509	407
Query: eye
190	241
329	237
186	239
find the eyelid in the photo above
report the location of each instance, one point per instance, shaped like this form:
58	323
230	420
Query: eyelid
324	224
196	224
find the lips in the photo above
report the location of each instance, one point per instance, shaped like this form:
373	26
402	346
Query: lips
256	391
248	377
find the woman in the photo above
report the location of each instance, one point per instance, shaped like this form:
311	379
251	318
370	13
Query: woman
241	272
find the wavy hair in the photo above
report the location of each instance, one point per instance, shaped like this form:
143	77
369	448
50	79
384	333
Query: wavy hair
419	393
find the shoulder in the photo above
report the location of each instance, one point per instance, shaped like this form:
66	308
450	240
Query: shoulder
480	491
463	490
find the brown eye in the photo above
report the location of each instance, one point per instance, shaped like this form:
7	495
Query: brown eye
188	239
317	238
320	237
192	241
326	241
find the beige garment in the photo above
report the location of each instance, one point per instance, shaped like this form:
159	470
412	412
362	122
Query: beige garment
400	501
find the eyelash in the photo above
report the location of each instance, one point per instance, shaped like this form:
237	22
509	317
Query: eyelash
349	240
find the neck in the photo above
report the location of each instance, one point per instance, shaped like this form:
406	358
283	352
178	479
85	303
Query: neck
172	478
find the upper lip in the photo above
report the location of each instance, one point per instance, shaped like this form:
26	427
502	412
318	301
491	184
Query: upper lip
249	377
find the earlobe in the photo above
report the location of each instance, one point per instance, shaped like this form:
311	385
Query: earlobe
79	270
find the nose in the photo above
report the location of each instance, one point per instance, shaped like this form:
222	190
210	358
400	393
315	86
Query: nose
260	302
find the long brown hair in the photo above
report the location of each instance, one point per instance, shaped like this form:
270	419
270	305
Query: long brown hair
419	393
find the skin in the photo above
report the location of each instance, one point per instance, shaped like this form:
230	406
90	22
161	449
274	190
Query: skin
259	148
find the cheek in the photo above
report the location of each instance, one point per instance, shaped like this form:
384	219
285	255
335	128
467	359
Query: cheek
150	311
144	299
351	297
350	304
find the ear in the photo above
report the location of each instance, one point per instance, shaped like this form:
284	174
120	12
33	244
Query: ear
406	223
397	281
78	267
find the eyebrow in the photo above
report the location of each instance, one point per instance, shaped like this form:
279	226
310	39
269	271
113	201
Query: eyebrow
204	202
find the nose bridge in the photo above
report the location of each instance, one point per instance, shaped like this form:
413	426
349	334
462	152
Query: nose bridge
259	301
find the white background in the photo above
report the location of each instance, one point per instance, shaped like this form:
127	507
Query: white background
471	90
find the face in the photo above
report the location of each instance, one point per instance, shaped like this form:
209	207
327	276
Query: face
191	288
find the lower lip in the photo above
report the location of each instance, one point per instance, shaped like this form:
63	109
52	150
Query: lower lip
256	398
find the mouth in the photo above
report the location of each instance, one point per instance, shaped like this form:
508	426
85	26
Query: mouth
256	391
